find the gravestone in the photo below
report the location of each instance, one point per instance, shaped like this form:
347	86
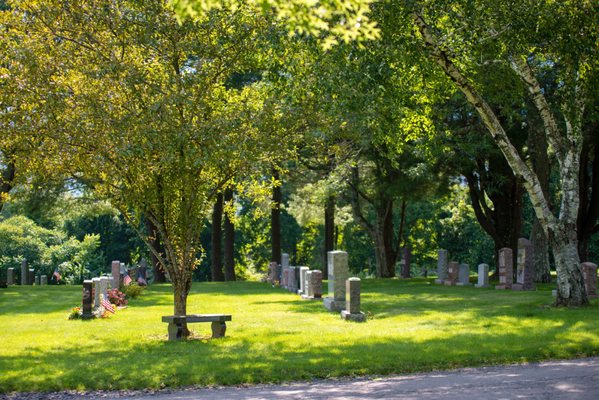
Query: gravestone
302	280
463	275
142	277
442	266
31	276
406	254
589	273
337	263
453	270
116	273
296	271
43	280
24	273
292	279
506	269
483	276
316	284
104	283
96	291
284	264
86	303
10	276
272	270
525	273
352	306
307	290
285	278
36	279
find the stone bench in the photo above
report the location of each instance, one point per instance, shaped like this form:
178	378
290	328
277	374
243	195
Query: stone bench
175	324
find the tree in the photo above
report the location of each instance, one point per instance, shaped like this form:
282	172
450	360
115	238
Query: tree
528	37
136	104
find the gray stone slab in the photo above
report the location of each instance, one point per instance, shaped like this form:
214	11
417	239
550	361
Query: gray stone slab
302	282
483	276
10	276
442	264
589	274
453	269
463	275
338	273
43	280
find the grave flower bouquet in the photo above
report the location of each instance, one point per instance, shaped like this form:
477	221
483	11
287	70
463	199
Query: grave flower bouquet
75	313
117	297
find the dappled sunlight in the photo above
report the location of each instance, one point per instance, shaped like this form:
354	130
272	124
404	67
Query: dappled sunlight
275	336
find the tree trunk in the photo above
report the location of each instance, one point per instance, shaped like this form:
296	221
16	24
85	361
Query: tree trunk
588	213
275	219
542	167
6	181
329	230
386	254
570	282
159	275
216	266
229	235
181	287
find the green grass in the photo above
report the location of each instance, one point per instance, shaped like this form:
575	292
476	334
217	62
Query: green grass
275	336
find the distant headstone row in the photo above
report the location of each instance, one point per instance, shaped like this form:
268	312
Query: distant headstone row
453	273
344	292
28	276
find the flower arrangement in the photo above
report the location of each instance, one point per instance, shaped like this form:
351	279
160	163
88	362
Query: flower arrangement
117	297
75	313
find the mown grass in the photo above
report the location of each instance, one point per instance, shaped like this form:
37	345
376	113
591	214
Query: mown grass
275	336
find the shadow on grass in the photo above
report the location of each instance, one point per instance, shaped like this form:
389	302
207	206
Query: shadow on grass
230	361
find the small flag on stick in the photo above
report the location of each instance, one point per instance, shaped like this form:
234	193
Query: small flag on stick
127	280
107	306
57	275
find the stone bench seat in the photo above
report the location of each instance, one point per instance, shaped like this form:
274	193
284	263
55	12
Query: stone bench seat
175	323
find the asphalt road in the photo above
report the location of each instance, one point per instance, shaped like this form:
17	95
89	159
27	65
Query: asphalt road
566	379
569	379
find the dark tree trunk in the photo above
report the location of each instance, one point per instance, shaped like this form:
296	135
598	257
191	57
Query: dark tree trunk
159	275
6	181
329	230
495	181
542	167
229	236
275	219
216	266
588	212
386	253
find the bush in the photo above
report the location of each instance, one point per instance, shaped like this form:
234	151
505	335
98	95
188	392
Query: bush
45	249
132	291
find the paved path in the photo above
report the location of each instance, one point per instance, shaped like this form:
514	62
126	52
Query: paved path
566	379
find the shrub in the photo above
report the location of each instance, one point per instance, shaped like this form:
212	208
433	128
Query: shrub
133	290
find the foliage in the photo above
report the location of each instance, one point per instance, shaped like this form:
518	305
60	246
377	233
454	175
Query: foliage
335	20
277	337
133	290
75	313
46	249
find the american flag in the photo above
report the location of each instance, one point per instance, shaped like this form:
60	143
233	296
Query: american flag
107	306
127	280
57	275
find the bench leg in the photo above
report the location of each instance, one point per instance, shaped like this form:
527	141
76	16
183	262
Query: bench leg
175	331
218	329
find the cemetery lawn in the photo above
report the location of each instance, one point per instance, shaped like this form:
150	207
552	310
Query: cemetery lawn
275	336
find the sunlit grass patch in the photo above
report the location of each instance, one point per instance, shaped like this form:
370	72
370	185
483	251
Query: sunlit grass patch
274	336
